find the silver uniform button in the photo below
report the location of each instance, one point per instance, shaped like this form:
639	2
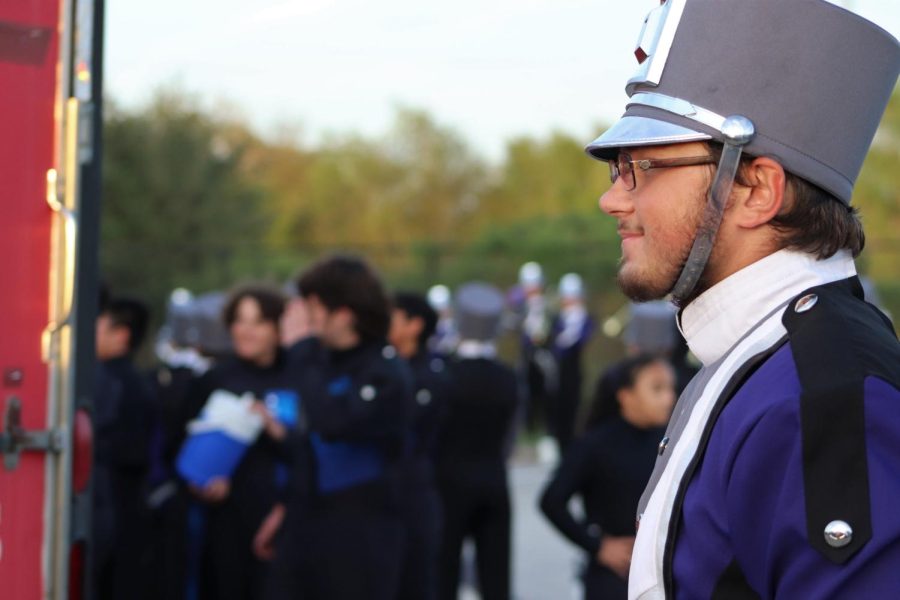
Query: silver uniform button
805	303
437	365
389	352
838	534
367	393
423	396
663	444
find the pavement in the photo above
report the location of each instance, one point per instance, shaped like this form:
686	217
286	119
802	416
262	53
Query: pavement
544	563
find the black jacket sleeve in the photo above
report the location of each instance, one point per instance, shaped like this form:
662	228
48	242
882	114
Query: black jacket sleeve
567	481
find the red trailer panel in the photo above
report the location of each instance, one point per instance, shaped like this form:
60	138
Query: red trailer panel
38	223
29	58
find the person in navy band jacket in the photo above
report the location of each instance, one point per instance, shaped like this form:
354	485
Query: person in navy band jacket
571	331
340	530
732	173
413	323
473	446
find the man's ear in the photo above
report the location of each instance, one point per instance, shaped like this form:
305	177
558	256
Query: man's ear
763	195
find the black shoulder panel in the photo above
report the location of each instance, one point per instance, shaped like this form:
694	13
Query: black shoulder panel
837	341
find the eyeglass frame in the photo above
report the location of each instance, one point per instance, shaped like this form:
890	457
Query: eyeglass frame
645	164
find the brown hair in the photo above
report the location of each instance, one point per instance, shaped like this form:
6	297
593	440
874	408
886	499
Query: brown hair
817	223
270	300
348	281
812	220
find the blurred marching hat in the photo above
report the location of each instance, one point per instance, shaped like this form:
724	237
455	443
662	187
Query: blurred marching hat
196	321
809	79
571	286
179	318
651	327
478	307
439	297
531	274
214	336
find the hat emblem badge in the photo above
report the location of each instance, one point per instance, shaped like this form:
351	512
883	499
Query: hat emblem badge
655	41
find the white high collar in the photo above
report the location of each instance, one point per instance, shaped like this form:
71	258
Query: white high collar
717	319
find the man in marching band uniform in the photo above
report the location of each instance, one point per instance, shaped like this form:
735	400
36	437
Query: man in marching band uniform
733	169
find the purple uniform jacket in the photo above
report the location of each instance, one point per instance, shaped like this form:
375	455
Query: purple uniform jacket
811	436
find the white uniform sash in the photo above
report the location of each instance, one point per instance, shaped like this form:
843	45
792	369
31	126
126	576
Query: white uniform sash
646	580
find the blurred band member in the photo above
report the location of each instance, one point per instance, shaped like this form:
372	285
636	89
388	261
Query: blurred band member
123	417
341	531
445	337
471	461
538	366
608	468
572	329
236	506
412	324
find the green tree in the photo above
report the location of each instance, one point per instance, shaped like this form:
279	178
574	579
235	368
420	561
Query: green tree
177	210
549	176
877	195
419	181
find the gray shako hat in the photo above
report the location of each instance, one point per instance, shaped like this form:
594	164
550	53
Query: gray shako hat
651	327
196	321
801	81
478	308
813	78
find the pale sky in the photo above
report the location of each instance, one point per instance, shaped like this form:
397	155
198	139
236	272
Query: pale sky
492	69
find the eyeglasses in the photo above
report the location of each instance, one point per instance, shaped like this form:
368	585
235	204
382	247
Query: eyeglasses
624	166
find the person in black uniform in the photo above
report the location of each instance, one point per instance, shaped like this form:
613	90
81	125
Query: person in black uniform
122	418
537	365
413	322
236	506
608	468
570	333
471	452
180	364
341	530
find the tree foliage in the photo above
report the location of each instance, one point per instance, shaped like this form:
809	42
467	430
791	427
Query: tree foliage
176	209
197	200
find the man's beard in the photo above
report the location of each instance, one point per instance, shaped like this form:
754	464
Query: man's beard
656	280
645	286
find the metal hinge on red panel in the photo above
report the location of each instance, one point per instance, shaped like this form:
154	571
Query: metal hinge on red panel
14	439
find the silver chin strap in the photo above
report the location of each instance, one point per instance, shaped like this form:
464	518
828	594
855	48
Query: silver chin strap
738	131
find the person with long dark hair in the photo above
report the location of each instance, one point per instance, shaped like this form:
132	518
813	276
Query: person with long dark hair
608	467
